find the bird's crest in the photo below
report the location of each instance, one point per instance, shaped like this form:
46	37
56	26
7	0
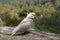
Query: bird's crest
27	13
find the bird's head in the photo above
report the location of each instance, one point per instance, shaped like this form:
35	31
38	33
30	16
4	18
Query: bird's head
31	15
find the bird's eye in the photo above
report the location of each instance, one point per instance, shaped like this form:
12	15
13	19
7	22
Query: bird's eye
33	15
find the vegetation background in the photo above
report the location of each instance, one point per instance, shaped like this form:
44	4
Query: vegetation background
47	13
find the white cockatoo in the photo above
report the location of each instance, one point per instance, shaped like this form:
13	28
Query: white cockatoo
25	24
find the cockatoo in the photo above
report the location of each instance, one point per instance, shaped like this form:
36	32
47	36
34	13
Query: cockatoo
25	24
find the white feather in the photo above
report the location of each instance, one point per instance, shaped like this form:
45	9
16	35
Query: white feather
25	24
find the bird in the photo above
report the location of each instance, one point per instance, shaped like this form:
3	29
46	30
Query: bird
24	25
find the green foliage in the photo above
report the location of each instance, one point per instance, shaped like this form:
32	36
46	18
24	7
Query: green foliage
2	22
47	13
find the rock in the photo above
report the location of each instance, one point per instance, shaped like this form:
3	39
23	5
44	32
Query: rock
5	34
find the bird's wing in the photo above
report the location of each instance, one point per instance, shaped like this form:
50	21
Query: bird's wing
24	21
22	27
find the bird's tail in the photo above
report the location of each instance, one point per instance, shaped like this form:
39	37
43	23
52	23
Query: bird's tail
12	34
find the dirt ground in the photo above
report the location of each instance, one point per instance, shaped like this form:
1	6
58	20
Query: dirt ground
34	35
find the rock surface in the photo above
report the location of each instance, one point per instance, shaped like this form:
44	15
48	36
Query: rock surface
5	34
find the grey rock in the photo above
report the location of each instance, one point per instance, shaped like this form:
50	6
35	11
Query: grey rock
32	35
